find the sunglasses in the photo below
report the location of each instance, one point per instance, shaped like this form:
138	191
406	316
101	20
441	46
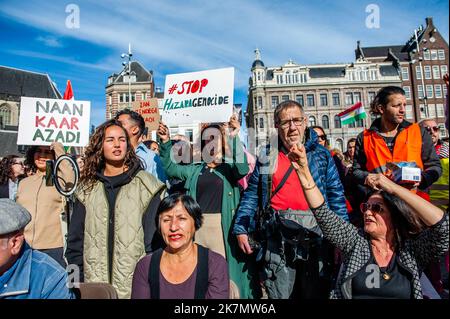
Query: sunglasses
322	137
376	208
434	128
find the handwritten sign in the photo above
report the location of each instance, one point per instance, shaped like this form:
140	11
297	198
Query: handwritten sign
148	109
43	121
198	97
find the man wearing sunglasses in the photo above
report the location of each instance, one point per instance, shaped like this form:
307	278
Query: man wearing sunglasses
440	146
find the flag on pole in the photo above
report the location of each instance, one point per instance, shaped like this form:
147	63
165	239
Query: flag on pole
68	94
353	114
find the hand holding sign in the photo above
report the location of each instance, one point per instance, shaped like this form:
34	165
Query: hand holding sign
234	126
163	132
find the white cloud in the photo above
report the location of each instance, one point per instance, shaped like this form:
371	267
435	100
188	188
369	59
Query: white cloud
50	41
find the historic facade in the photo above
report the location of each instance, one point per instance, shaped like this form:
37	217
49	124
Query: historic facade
324	90
138	80
422	62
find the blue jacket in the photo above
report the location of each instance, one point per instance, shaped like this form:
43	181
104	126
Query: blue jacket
322	168
34	275
151	162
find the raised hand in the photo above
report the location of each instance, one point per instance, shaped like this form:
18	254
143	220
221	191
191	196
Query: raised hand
297	155
163	132
234	126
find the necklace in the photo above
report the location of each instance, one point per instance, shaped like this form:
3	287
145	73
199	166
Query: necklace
385	274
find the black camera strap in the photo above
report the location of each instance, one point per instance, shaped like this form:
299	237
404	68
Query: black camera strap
283	181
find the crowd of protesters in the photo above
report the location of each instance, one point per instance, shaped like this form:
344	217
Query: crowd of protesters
164	220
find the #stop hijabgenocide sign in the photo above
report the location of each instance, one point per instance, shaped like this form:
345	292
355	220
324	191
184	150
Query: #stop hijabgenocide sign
43	121
201	97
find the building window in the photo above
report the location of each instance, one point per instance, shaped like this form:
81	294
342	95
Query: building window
340	144
371	96
310	99
422	111
260	102
352	125
429	89
336	99
405	74
275	101
5	115
299	99
284	98
431	110
360	123
418	73
426	55
443	130
261	123
325	122
256	123
440	110
337	122
443	69
409	112
436	73
323	99
444	90
348	98
420	91
438	91
407	90
312	121
434	55
356	97
441	54
427	72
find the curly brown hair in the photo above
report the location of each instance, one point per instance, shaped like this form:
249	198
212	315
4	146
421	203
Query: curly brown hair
6	171
94	159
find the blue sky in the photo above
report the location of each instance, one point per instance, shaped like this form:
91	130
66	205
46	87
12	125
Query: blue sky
183	36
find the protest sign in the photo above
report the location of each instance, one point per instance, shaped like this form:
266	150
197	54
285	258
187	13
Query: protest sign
148	109
43	121
198	97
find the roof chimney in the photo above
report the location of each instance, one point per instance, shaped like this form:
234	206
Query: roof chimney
429	21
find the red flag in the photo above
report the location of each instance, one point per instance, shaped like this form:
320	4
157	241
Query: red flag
68	94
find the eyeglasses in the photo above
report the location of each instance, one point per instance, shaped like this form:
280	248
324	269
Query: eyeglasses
287	123
434	128
322	137
376	208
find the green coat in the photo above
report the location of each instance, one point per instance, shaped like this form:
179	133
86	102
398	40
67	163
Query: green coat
233	170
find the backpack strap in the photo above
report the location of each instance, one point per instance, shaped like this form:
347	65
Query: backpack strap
201	282
153	274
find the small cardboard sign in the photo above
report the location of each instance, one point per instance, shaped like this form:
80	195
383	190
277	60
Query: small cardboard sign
148	109
43	121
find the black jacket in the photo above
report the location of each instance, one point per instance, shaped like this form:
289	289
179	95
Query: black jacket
75	240
4	190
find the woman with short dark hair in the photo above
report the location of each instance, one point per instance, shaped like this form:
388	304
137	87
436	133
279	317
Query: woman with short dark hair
183	270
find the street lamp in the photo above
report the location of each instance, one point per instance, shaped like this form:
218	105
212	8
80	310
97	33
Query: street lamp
123	56
421	70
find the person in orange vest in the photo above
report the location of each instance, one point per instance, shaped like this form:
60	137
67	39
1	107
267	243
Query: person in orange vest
393	139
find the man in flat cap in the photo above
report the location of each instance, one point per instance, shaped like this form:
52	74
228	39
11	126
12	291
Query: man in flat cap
26	273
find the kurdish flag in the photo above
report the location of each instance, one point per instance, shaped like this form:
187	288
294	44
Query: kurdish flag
353	114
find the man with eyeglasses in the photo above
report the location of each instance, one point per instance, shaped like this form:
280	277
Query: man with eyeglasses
440	146
297	267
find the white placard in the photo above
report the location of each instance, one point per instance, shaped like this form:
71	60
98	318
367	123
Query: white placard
43	121
198	97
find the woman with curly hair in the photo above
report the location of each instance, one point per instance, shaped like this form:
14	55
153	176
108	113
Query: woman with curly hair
113	223
45	204
11	171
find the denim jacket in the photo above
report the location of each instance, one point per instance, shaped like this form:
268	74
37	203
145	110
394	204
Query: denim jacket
34	275
322	168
